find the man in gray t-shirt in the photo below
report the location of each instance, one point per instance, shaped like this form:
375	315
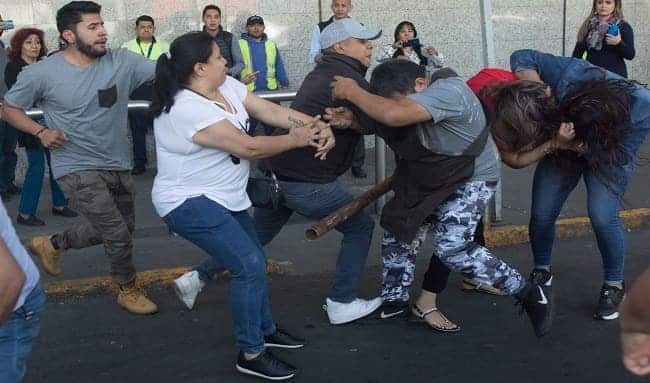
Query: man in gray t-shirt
84	94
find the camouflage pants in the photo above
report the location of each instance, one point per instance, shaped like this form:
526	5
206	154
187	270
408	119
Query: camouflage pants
454	223
105	199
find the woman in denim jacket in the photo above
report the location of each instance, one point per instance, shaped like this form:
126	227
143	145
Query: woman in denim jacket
610	117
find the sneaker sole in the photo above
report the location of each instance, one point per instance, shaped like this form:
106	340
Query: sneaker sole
607	317
353	318
276	345
253	373
179	294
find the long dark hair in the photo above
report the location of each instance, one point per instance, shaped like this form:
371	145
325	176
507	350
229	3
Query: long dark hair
173	72
417	48
525	116
601	114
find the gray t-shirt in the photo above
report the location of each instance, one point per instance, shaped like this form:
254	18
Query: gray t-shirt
89	103
458	119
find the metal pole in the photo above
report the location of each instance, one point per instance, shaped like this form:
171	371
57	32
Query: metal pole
487	33
564	28
493	211
380	169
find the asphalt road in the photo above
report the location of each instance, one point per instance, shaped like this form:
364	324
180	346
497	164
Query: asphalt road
88	339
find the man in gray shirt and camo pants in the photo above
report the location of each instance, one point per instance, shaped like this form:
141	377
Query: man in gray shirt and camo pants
84	95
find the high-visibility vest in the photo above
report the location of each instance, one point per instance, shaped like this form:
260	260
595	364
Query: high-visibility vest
271	55
151	51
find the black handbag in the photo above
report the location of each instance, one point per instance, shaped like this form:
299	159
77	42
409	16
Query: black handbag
264	191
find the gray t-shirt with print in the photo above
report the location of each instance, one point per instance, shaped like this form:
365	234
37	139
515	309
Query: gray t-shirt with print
89	103
457	120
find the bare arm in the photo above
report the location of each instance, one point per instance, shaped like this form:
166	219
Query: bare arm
522	160
223	135
395	113
12	279
287	118
635	327
16	117
529	75
564	140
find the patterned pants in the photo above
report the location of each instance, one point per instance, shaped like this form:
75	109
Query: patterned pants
454	224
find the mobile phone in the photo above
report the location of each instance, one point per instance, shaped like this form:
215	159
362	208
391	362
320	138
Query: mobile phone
9	24
412	43
613	29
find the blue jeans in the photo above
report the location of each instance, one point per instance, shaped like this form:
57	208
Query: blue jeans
551	187
230	239
17	336
8	157
32	186
317	201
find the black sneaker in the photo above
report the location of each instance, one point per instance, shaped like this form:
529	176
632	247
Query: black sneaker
265	366
64	212
31	220
610	298
538	306
282	339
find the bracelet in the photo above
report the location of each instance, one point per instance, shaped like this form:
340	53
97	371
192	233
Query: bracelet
39	132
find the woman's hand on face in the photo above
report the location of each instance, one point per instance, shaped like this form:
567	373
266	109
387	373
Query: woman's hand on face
613	40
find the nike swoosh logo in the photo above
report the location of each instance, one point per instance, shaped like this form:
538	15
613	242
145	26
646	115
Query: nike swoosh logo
542	301
386	316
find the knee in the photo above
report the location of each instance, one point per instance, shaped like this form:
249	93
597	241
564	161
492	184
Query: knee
604	219
253	267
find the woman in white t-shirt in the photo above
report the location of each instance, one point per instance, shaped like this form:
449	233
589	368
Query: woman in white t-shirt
203	149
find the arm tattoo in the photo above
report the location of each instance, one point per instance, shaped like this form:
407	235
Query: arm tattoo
296	123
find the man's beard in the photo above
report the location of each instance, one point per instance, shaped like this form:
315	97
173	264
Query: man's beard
88	50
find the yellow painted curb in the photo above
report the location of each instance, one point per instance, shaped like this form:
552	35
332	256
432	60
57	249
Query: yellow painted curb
494	237
83	286
564	228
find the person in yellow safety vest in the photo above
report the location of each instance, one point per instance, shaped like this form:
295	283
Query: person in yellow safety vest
263	67
147	45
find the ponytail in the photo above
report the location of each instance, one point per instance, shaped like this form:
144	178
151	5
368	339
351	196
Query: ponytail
174	69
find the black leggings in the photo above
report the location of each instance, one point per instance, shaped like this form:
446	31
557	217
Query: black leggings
435	279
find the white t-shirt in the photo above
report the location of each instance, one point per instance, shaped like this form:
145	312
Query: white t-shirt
17	250
186	169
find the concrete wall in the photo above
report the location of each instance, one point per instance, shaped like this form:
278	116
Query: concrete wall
451	26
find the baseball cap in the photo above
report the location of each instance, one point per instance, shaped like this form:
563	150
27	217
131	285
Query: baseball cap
340	30
255	20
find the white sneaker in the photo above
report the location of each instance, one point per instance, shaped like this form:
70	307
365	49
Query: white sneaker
339	313
187	287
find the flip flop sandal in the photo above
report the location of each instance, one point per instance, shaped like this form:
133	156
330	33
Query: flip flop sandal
420	315
470	285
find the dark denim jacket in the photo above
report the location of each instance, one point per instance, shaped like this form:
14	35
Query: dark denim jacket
561	73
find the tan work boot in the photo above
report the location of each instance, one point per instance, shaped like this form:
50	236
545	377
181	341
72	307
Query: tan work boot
49	256
133	300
